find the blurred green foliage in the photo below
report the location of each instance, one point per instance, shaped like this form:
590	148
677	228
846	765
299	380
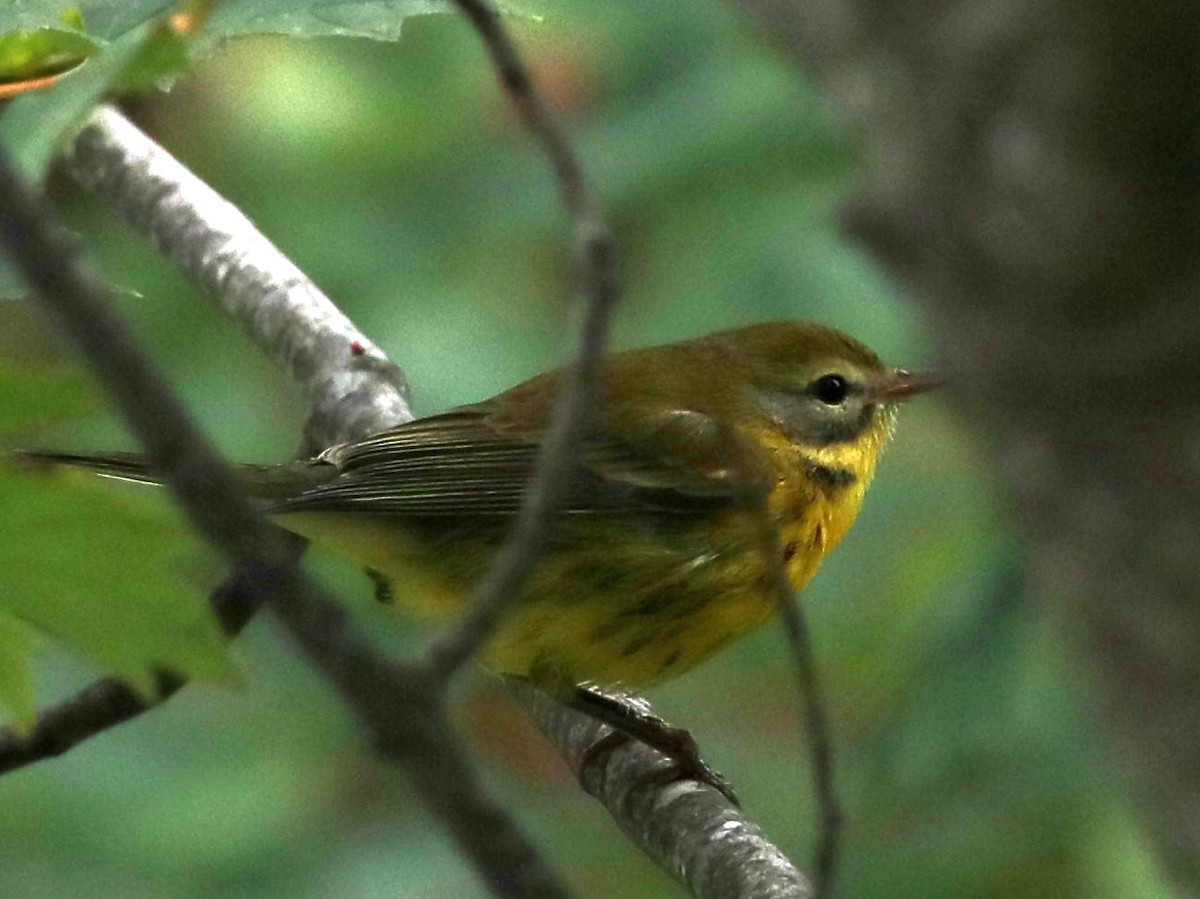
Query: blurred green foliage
969	762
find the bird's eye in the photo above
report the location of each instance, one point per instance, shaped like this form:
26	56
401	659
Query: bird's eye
830	389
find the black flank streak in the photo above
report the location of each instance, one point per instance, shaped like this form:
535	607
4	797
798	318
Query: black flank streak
638	645
830	477
654	605
608	629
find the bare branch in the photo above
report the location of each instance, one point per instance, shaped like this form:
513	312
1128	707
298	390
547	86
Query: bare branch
819	736
351	387
399	708
502	584
689	828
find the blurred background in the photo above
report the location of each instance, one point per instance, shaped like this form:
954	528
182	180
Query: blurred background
393	174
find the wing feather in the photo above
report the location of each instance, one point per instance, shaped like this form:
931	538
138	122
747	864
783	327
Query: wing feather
459	463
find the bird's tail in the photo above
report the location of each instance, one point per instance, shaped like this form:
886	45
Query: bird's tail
270	483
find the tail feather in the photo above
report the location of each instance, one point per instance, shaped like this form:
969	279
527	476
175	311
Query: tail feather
272	483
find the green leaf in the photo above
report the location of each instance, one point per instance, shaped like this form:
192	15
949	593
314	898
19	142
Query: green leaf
158	61
124	48
31	46
96	566
17	645
34	123
109	20
376	19
101	20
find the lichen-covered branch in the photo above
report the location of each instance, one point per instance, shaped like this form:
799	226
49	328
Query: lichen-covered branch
351	388
689	828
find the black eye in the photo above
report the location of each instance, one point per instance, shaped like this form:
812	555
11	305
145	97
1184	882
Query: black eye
830	389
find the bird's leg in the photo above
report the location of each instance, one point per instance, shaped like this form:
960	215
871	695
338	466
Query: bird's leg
631	719
383	586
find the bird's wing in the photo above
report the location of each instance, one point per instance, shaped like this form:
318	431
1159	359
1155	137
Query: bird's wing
468	462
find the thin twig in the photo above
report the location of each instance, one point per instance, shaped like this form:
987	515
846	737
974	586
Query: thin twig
502	584
399	708
818	733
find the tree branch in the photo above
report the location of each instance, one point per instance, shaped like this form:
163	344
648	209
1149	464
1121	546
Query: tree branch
689	828
403	714
351	387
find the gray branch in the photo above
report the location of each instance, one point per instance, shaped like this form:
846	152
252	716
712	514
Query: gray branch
689	828
351	388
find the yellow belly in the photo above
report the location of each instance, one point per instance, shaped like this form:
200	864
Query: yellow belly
614	601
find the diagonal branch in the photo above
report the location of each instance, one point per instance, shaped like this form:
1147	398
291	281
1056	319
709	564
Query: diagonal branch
403	714
351	387
690	829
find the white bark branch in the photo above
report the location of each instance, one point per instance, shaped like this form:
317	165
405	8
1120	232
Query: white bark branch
351	387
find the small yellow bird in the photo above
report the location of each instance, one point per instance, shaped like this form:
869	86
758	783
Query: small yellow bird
656	560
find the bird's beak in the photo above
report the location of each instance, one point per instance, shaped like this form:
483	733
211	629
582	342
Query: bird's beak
899	384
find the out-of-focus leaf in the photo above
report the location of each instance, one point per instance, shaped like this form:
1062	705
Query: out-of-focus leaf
101	20
34	123
96	568
17	644
31	46
379	20
158	61
127	50
92	564
376	19
109	21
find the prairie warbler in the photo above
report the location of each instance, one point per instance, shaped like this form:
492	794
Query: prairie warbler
656	559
